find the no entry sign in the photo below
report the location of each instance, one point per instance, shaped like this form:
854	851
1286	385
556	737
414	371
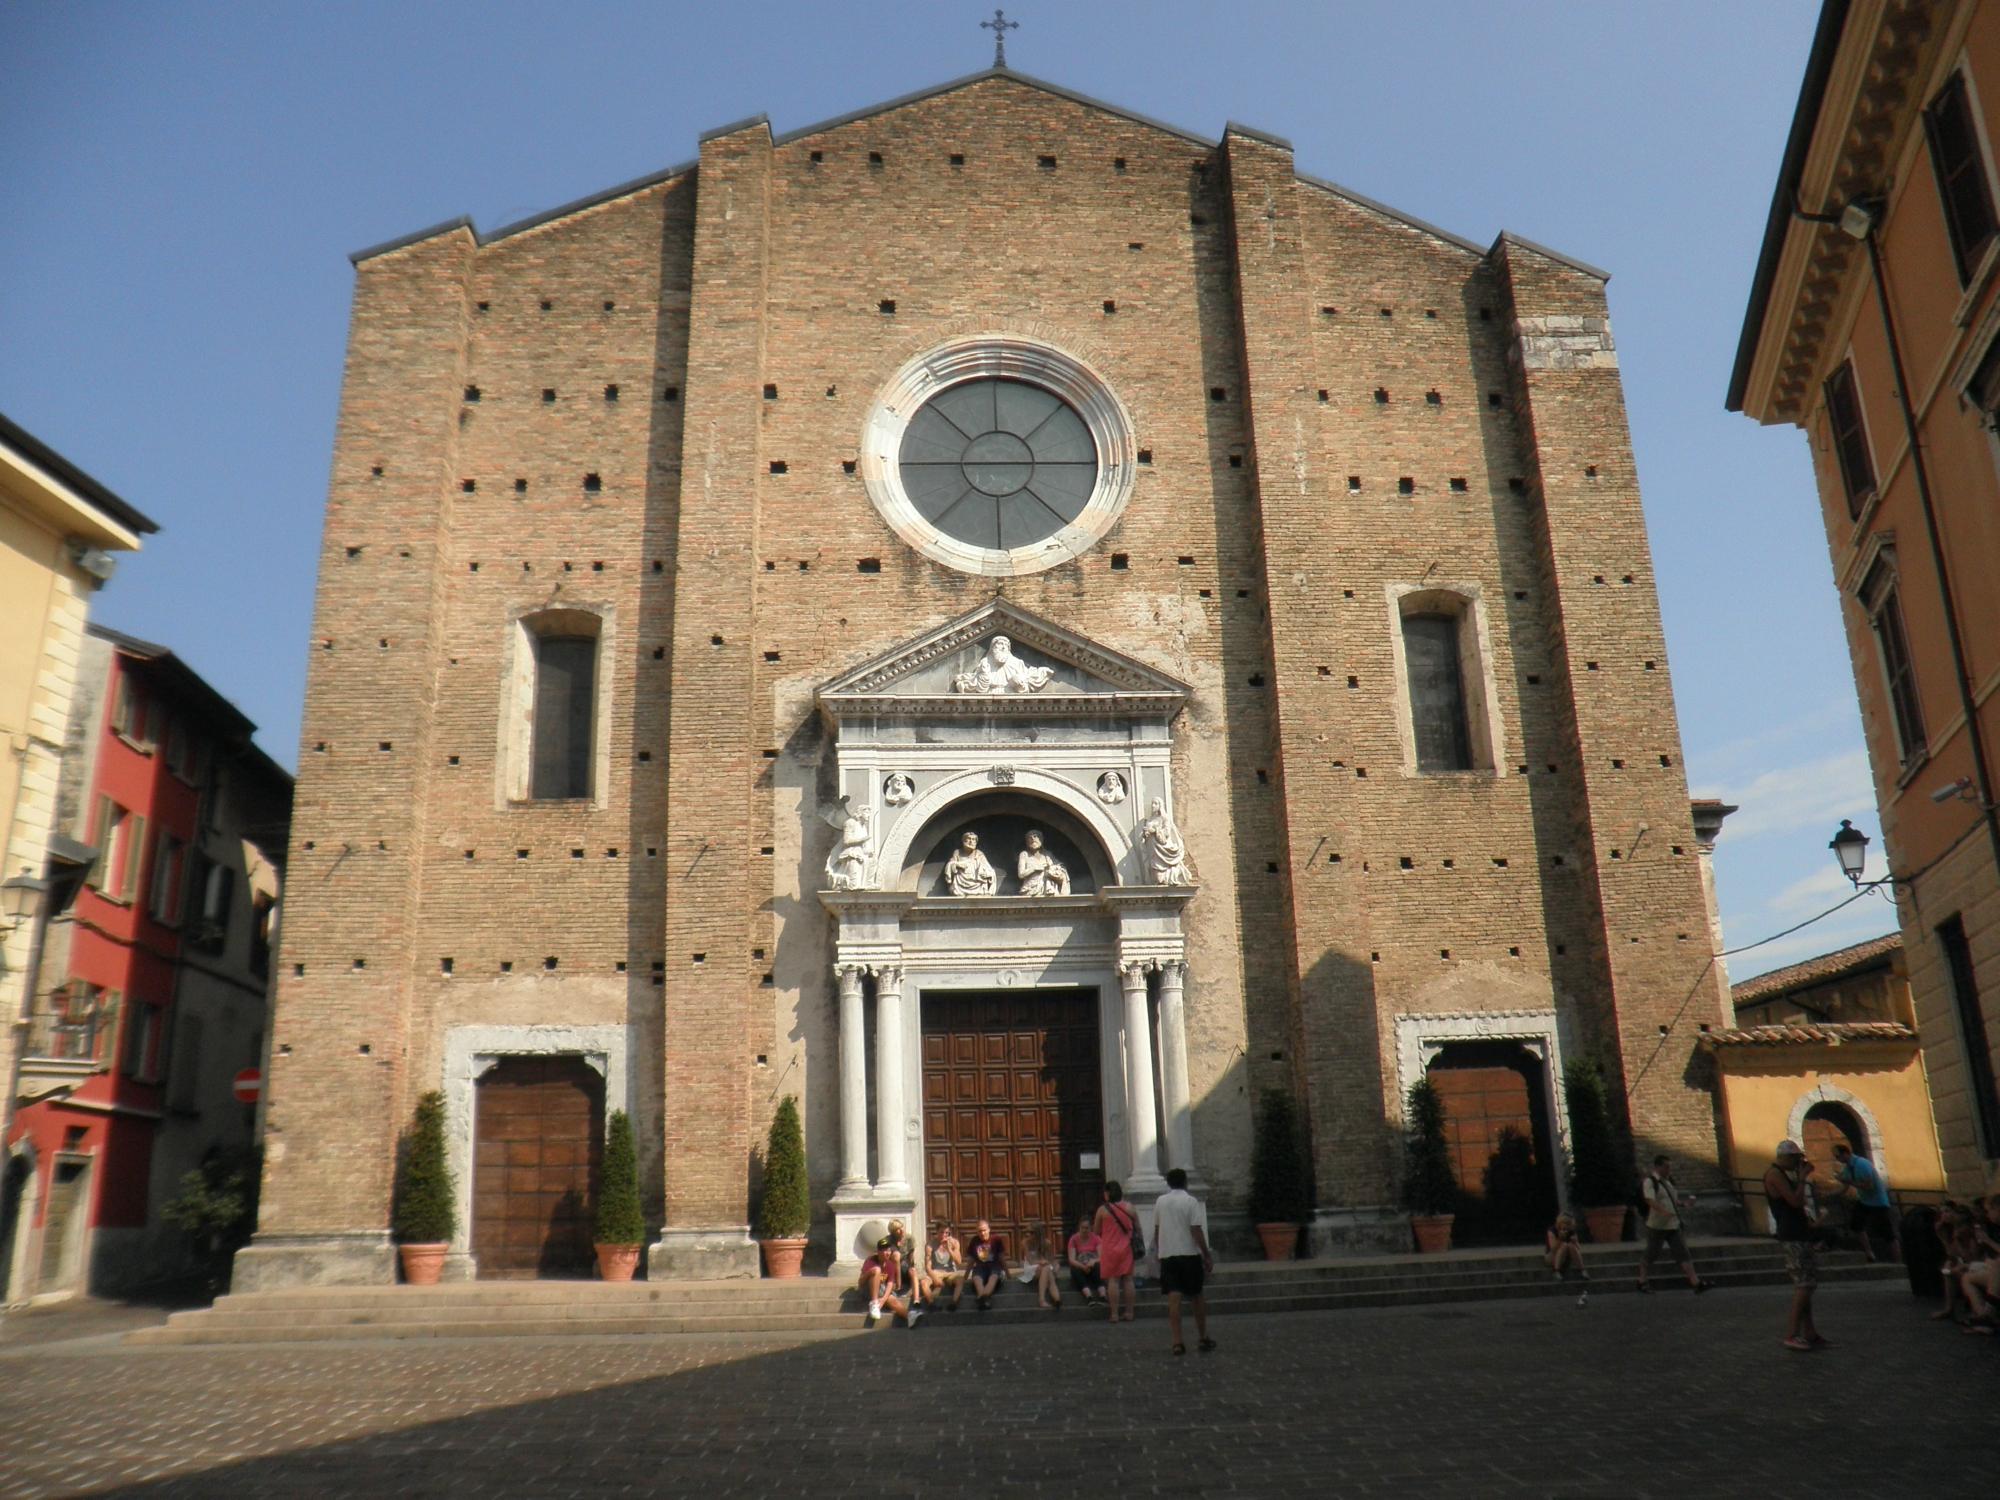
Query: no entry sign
248	1086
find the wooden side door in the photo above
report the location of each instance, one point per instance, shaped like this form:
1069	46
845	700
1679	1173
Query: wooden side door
539	1137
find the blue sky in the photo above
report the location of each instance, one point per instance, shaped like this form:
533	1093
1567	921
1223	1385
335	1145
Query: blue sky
185	182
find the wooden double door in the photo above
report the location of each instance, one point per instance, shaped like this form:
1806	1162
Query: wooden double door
1497	1126
538	1140
1013	1111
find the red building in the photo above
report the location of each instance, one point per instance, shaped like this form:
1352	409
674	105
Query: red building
152	990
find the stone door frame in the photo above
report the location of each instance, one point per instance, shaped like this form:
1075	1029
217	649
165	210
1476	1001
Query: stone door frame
1420	1038
470	1052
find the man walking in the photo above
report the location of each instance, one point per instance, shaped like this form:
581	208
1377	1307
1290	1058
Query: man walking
1786	1192
1664	1203
1871	1215
1180	1239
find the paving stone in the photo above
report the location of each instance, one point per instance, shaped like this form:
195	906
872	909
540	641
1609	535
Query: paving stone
1667	1396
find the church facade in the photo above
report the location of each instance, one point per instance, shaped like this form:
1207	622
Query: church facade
1018	625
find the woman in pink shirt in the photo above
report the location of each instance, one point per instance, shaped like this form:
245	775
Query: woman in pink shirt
1114	1225
1083	1272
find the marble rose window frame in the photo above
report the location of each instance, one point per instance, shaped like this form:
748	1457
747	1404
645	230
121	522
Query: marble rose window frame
1011	358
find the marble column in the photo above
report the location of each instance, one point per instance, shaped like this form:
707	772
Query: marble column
1174	1068
1139	1116
892	1177
853	1084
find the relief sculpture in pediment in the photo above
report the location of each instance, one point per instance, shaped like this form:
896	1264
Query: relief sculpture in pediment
1001	671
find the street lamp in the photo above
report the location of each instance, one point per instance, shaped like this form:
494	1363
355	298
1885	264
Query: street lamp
1850	847
21	898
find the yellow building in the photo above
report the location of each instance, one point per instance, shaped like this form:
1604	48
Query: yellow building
58	531
1830	1055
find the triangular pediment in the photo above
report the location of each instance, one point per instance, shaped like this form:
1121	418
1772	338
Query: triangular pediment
1044	670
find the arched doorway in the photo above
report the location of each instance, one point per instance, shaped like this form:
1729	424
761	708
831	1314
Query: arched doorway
1496	1111
537	1141
1829	1124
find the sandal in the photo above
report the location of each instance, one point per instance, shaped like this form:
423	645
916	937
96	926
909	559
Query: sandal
1179	1349
1206	1346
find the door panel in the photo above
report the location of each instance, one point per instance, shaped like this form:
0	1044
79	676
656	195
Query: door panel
1021	1070
536	1151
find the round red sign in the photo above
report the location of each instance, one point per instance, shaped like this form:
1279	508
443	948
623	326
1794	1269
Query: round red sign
248	1086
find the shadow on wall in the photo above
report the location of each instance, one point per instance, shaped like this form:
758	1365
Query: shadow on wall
646	690
1355	1122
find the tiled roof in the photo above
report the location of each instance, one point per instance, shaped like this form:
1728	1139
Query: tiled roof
1822	1034
1816	970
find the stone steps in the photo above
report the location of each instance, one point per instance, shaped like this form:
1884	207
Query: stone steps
819	1305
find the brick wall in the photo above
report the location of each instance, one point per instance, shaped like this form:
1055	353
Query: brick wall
747	312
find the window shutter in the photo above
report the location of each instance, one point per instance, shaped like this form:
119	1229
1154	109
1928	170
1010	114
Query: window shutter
134	845
1961	175
1437	693
1850	438
565	711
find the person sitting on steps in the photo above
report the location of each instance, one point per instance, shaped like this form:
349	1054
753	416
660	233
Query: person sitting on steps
1565	1255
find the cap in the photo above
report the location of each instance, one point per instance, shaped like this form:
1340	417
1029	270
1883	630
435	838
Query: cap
1789	1148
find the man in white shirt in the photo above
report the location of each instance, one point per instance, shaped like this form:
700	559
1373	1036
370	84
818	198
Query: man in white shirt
1664	1203
1180	1239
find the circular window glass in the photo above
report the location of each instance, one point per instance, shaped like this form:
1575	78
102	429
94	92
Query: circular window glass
998	463
998	455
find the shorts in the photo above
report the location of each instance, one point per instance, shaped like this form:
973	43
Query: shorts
1801	1263
1671	1239
1182	1274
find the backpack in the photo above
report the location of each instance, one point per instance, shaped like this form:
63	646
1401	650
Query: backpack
1134	1233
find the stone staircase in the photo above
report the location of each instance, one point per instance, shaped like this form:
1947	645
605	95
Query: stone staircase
488	1309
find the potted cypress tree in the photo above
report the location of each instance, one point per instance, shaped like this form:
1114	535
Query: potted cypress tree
1597	1176
1430	1188
621	1225
1279	1195
786	1212
425	1215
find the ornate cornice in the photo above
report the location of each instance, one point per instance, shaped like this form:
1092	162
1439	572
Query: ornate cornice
1135	688
1870	105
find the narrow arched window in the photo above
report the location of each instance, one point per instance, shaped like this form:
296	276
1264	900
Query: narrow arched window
1437	693
565	715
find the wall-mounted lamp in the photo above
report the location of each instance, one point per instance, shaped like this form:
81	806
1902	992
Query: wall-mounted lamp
21	899
1850	847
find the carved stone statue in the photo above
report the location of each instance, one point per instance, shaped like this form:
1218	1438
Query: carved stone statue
847	866
1001	671
1041	873
1167	861
1111	788
967	873
897	789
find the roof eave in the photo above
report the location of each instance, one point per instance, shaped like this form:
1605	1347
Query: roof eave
1778	220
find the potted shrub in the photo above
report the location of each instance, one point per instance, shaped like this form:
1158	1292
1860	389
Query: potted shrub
786	1212
621	1225
1430	1188
1280	1198
1598	1181
425	1216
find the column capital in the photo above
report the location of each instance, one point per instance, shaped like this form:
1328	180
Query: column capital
887	976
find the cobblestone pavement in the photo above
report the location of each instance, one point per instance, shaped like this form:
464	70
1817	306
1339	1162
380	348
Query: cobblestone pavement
1659	1396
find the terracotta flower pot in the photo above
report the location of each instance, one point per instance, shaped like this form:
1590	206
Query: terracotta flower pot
423	1264
617	1262
782	1257
1281	1241
1607	1225
1433	1232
